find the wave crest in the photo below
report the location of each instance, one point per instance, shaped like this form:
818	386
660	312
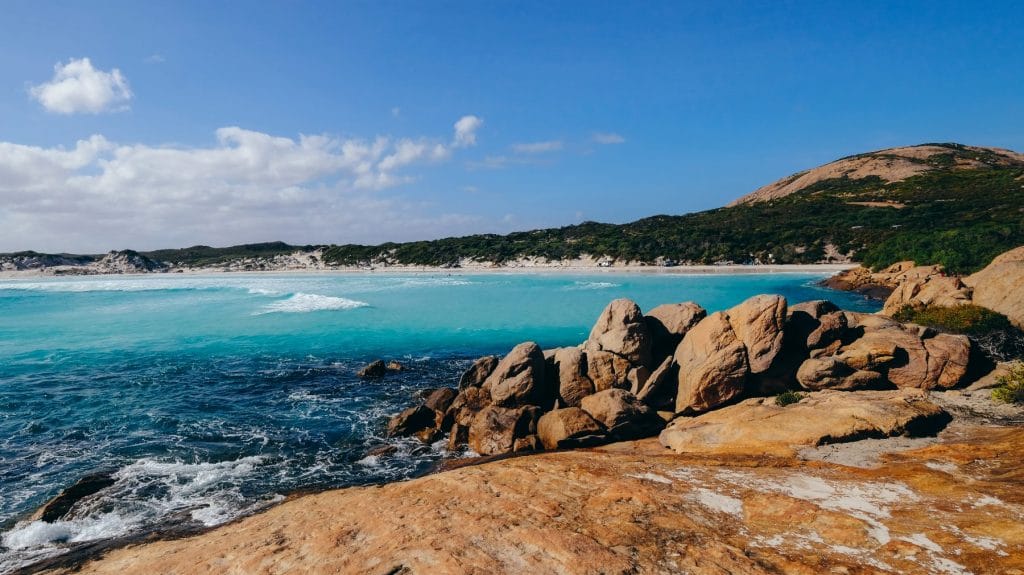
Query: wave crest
308	302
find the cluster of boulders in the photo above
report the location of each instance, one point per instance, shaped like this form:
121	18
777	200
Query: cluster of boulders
636	372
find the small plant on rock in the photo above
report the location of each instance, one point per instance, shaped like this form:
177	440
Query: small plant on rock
1011	385
788	397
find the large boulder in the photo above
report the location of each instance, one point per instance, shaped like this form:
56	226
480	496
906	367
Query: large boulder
830	373
495	430
933	290
466	405
999	286
412	421
567	428
758	322
441	399
712	365
607	370
760	426
907	360
620	329
518	379
668	323
622	414
478	372
569	376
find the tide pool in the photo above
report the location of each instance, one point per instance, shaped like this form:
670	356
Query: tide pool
207	397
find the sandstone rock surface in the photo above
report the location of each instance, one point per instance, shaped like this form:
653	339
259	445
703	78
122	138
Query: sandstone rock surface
518	379
622	414
668	323
638	508
620	329
1000	286
567	428
712	365
570	376
758	425
758	323
494	430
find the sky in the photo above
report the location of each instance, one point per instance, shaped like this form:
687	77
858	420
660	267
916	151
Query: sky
160	124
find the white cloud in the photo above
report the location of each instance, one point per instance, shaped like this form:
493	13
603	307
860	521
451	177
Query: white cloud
77	87
465	131
156	59
537	147
607	138
246	186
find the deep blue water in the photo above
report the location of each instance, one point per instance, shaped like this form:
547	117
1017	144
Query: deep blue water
210	396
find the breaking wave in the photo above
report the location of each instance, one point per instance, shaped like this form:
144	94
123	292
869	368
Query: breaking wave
307	302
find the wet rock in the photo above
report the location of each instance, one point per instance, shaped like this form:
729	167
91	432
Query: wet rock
519	378
374	369
494	430
712	365
381	451
412	421
59	507
395	366
622	414
478	372
620	329
441	399
567	428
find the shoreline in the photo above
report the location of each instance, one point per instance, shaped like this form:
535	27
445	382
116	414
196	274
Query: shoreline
696	270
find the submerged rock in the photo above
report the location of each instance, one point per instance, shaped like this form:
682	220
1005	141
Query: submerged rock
59	507
374	369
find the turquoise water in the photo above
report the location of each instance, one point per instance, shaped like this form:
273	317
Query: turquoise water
209	396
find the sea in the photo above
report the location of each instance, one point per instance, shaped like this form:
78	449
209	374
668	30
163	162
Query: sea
205	398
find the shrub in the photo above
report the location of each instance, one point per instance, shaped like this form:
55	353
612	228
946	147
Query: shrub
788	397
1011	385
965	319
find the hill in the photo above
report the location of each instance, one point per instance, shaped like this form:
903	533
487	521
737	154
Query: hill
956	205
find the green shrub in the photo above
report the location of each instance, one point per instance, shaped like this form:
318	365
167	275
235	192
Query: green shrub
965	319
1011	385
788	397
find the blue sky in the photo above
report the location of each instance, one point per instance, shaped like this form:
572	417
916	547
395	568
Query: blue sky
230	122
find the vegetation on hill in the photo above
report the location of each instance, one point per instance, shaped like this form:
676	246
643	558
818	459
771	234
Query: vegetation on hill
960	218
205	255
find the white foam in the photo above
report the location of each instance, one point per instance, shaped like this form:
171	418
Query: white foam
309	302
584	285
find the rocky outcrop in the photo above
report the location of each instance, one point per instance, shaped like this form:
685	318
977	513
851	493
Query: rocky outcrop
496	430
668	323
953	507
622	414
478	372
1000	286
607	370
759	425
933	289
518	379
567	428
568	374
621	330
758	323
712	365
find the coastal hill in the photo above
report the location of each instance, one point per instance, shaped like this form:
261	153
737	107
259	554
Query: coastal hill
949	204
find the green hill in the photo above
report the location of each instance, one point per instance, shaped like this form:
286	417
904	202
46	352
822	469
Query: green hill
936	203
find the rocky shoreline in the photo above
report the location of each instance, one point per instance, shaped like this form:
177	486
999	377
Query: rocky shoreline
764	438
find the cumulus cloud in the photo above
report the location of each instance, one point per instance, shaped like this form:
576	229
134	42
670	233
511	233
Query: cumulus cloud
465	131
607	138
537	147
77	87
246	186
